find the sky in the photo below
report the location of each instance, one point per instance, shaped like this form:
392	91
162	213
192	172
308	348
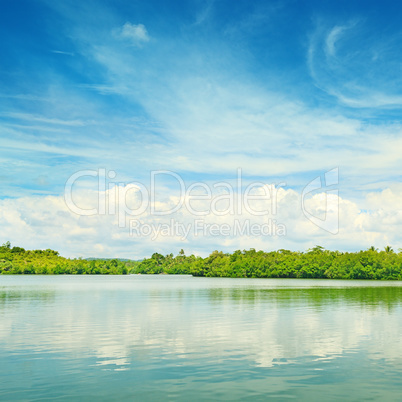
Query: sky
283	91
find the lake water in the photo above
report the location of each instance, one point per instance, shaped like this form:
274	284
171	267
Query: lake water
186	338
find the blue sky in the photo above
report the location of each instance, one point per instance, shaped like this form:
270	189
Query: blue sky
286	90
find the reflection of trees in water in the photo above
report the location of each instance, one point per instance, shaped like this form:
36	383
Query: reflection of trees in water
367	297
12	297
371	297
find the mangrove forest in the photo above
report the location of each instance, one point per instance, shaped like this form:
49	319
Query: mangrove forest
313	263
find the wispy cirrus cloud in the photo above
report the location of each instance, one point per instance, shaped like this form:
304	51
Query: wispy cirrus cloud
41	119
63	52
356	65
333	37
215	121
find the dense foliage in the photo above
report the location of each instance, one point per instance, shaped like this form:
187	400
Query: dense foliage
315	263
17	260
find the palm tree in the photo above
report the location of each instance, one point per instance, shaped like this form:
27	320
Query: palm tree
372	248
316	249
388	249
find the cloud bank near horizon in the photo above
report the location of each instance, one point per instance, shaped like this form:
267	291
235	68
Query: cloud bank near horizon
29	221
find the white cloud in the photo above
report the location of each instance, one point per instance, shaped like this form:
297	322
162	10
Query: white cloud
137	34
47	222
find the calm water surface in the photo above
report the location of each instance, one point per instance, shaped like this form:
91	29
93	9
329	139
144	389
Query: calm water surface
184	338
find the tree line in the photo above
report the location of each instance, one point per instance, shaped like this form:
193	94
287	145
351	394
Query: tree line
313	263
16	260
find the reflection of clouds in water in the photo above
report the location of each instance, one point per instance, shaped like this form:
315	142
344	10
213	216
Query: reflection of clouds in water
144	321
112	355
